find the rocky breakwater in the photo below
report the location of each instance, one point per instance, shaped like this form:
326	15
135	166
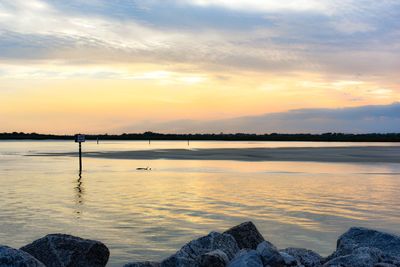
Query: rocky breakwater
244	246
240	246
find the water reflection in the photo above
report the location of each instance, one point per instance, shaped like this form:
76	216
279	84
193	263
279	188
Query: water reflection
79	192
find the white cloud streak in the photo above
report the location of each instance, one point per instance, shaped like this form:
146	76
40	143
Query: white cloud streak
265	6
163	77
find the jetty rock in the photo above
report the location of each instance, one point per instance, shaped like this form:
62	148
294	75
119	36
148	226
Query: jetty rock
247	258
357	237
365	248
11	257
303	256
190	254
270	255
361	257
60	250
246	235
215	258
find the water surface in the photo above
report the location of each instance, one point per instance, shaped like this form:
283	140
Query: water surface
149	215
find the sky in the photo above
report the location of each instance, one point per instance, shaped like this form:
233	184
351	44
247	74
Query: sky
98	66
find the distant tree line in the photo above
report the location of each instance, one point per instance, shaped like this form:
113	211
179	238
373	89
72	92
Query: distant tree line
330	137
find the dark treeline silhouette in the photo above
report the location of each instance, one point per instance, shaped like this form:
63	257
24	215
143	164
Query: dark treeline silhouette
373	137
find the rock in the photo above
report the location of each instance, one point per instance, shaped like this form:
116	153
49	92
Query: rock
11	257
306	257
270	255
362	237
290	260
246	235
59	250
143	264
216	258
245	258
179	261
360	257
189	254
389	260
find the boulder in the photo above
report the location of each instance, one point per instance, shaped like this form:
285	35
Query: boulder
179	261
246	235
290	260
360	257
189	254
215	258
11	257
143	264
59	250
362	237
247	258
270	255
306	257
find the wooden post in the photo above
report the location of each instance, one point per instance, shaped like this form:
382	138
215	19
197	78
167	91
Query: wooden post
80	138
80	157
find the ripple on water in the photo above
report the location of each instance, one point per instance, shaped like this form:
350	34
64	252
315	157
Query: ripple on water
149	215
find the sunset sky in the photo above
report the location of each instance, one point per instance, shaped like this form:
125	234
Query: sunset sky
99	66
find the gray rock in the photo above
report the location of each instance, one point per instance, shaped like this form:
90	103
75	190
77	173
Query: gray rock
11	257
246	235
360	257
290	260
179	261
216	258
362	237
390	260
189	254
59	250
270	255
306	257
143	264
247	258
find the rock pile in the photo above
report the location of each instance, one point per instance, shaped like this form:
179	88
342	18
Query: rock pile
240	246
244	246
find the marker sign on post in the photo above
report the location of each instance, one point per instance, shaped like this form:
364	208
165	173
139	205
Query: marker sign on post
80	138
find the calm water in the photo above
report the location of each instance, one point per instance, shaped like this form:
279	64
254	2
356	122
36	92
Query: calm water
149	215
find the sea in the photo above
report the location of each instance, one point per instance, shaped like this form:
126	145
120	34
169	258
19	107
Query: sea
148	215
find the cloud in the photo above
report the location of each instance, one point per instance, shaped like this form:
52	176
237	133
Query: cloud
335	37
102	73
264	6
363	119
351	27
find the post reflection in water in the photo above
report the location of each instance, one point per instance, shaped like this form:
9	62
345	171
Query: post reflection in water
79	195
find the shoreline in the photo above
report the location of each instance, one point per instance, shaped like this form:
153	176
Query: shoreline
297	137
360	154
